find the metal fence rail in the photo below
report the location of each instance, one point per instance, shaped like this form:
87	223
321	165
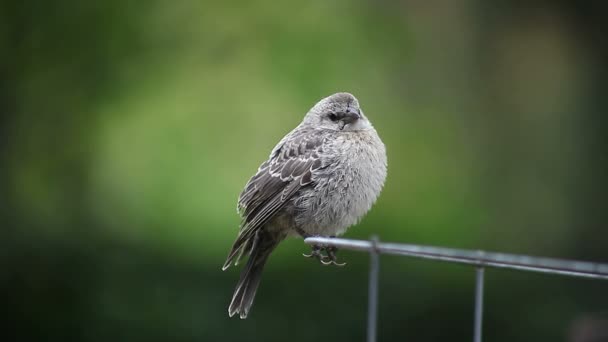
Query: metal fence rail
479	259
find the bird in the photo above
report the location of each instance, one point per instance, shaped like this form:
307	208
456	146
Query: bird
319	180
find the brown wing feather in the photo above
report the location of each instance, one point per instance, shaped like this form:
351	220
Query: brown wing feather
290	167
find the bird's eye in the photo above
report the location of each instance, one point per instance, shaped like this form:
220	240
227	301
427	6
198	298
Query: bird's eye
333	116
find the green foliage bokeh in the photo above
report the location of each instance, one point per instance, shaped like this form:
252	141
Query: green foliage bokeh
129	129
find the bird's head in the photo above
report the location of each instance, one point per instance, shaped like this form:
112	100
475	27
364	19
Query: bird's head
339	112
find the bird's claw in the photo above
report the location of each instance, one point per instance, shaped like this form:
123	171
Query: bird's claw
331	255
333	262
329	258
314	253
326	262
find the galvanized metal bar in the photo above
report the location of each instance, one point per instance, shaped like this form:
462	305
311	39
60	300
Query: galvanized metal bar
479	282
475	258
372	297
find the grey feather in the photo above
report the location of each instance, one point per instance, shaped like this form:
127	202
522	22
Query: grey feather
319	179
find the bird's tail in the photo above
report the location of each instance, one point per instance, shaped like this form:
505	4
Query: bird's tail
248	283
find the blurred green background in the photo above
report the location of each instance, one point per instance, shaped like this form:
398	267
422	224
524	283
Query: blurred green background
128	129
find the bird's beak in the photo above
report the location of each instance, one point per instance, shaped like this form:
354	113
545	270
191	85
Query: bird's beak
351	116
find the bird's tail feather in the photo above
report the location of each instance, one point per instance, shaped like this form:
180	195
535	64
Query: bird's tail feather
248	283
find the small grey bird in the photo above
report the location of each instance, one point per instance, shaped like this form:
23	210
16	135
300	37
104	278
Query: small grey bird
320	179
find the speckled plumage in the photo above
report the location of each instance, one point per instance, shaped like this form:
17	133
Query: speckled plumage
320	179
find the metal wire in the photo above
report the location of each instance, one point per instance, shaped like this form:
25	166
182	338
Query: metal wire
476	258
478	304
480	259
372	312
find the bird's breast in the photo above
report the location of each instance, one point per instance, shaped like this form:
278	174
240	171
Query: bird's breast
345	191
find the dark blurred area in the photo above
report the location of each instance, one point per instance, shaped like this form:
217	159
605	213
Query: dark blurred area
128	129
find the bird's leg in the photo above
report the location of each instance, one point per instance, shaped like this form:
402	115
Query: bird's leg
327	258
316	249
330	258
315	253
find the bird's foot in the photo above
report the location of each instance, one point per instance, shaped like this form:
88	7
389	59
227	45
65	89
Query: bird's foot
315	253
329	258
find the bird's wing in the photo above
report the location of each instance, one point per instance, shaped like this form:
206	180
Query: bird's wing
290	167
